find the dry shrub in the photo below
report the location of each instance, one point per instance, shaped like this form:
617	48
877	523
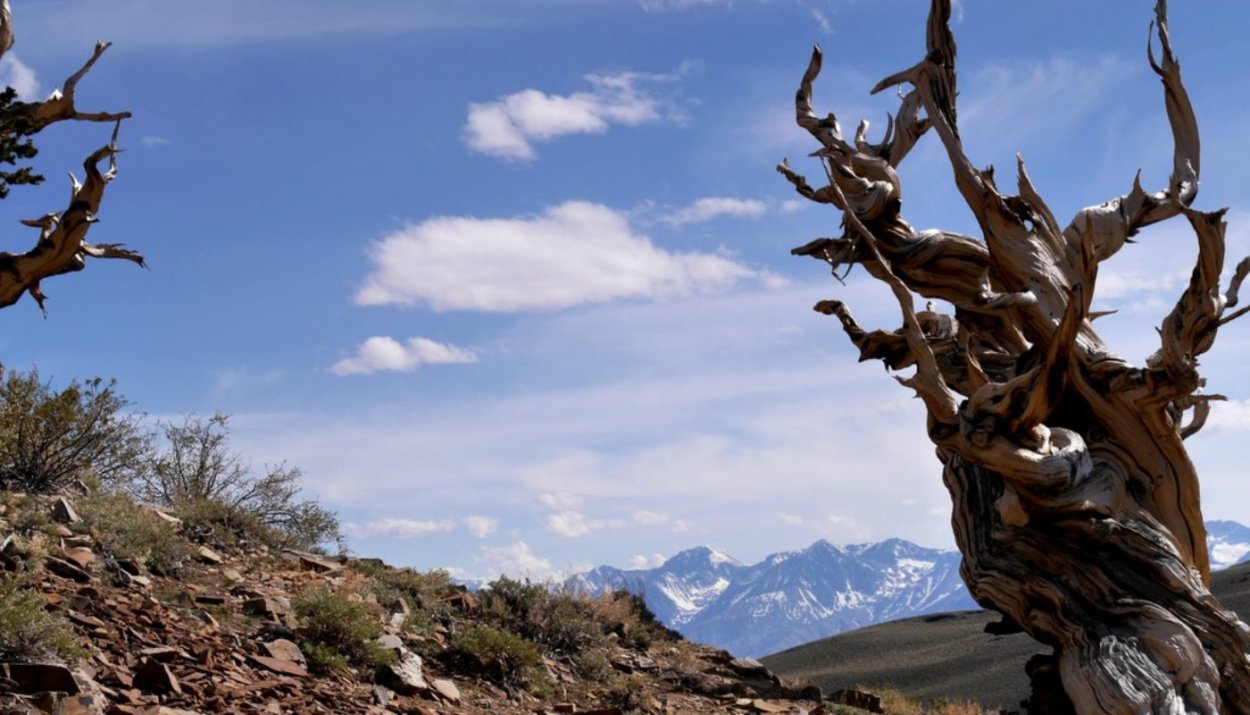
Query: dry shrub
125	530
28	632
338	627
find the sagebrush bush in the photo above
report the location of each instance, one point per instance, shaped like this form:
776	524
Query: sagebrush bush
502	656
336	628
212	488
424	592
28	632
50	439
125	530
568	622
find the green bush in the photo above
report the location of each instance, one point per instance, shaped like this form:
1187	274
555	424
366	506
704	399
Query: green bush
50	439
504	657
28	632
211	488
336	628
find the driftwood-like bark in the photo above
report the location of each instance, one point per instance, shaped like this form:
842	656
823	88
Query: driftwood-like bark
1075	503
62	246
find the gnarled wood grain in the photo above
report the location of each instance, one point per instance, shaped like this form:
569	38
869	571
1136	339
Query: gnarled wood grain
1075	503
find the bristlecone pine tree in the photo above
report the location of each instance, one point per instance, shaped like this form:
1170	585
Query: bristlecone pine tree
1075	504
62	245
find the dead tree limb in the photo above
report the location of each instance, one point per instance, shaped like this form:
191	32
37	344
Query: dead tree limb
62	246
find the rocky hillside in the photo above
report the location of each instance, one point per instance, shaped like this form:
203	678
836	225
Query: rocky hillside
107	607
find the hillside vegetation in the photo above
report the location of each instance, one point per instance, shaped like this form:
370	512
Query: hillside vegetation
154	572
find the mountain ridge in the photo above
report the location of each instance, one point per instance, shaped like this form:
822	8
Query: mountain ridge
789	598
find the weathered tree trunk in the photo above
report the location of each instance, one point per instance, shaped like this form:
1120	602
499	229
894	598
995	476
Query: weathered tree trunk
62	245
1075	503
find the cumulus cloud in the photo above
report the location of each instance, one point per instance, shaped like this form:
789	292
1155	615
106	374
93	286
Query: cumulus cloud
510	126
711	207
399	528
379	354
574	524
16	74
517	560
638	561
571	254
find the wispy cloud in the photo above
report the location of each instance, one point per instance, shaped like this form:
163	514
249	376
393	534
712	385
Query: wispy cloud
822	21
395	528
233	379
153	141
385	354
1041	101
481	526
16	74
510	126
574	253
713	207
398	528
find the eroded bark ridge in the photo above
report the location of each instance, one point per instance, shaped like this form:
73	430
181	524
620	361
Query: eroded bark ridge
62	245
1075	503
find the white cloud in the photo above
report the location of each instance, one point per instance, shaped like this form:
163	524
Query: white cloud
1232	416
379	354
574	253
574	524
790	206
154	141
508	127
16	74
233	379
711	207
638	561
480	526
398	528
794	519
560	501
650	518
518	561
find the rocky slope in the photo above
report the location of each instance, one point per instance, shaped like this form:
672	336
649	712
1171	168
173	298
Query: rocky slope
228	629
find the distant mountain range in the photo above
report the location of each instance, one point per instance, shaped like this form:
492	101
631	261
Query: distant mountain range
795	597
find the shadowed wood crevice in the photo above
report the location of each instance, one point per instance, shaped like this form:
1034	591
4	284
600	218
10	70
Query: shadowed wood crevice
1075	504
62	245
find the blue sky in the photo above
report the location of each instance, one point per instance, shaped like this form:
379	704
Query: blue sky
509	280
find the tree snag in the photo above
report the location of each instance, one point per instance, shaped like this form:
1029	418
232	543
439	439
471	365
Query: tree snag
1075	504
62	245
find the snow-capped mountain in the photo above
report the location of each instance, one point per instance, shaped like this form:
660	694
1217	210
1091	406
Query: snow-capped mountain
1228	543
795	597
